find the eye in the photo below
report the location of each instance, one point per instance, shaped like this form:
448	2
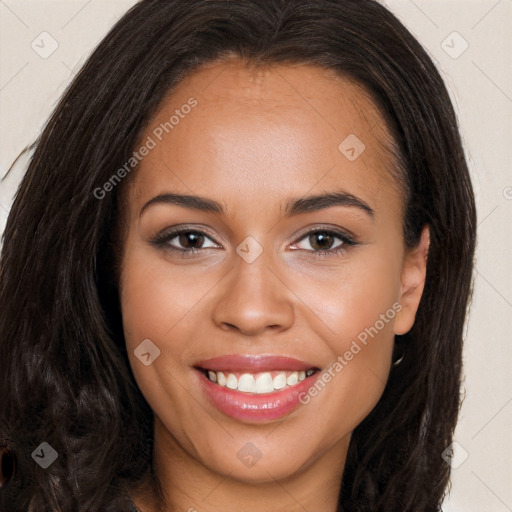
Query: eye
323	242
190	240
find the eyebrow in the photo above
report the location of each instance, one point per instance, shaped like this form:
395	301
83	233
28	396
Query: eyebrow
293	206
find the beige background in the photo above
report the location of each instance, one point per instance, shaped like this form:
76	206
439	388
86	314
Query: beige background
480	81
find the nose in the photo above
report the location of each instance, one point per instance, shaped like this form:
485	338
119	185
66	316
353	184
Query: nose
254	299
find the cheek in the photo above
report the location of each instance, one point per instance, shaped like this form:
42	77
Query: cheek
348	300
354	309
151	310
163	302
157	298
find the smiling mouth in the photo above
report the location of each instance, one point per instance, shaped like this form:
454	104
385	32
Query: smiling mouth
257	383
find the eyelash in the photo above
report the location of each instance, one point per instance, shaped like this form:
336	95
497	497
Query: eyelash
162	240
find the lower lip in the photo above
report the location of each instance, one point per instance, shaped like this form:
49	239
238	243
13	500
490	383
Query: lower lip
255	408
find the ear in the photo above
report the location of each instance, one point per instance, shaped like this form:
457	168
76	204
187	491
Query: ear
414	269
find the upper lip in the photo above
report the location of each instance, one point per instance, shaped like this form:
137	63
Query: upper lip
254	363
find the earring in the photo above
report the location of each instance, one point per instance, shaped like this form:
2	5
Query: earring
398	361
398	355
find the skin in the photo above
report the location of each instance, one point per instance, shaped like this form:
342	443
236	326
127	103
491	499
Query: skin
258	138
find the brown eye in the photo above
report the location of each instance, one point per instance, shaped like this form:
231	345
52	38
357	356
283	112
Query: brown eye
324	243
184	241
321	241
191	239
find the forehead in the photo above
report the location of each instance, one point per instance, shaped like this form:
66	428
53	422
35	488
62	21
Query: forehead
255	129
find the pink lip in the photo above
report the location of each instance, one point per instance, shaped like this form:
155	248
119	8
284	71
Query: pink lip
254	364
249	407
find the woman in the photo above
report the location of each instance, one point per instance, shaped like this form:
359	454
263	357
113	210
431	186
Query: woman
304	353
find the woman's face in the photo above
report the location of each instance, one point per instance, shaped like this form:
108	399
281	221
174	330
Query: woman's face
264	250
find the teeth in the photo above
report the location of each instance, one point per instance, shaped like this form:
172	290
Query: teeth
292	379
246	383
221	378
279	381
231	382
259	383
264	383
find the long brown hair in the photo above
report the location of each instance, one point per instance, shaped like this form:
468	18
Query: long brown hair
65	376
